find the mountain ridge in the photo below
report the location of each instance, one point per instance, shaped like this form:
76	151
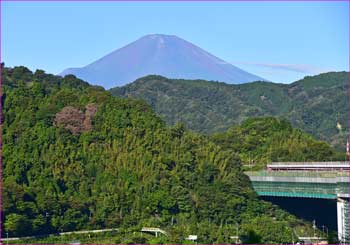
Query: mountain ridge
313	104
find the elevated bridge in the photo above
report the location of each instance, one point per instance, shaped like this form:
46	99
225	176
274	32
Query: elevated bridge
154	230
326	180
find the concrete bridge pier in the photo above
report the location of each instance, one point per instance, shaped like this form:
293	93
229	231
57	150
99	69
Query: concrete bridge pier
343	216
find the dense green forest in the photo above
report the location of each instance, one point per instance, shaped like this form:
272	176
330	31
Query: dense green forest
259	141
314	104
75	157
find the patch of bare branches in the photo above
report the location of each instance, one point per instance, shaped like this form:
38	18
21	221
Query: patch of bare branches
74	119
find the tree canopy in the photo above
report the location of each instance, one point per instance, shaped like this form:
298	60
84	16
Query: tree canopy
75	157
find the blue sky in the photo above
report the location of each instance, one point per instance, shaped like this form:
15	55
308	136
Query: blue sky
280	41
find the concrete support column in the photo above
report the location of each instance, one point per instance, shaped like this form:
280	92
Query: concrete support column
343	216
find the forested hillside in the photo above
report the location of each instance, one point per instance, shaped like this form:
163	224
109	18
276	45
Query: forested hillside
75	157
314	104
259	141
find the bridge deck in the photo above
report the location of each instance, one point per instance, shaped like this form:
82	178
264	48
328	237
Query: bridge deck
321	166
153	229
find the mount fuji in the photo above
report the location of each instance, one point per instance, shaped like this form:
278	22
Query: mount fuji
158	54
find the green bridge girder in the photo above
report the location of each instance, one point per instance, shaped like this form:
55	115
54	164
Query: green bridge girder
294	184
300	189
304	184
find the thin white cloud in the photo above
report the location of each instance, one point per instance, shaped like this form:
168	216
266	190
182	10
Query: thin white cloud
301	68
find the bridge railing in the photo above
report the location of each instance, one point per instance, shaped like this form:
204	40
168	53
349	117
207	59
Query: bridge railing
310	166
325	164
320	174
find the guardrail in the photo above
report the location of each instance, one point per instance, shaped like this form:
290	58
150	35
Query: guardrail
320	174
328	163
322	166
58	234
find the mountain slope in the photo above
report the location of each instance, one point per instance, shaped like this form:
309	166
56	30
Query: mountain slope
74	158
313	104
164	55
